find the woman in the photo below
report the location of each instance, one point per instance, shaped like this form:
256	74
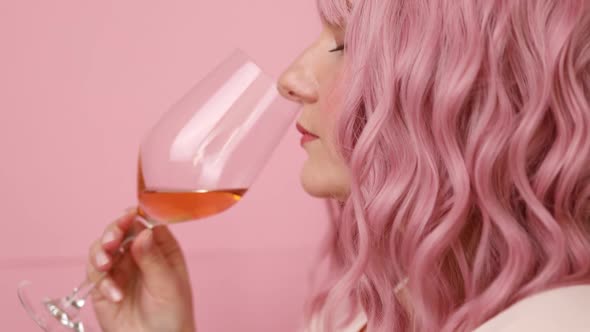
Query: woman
454	138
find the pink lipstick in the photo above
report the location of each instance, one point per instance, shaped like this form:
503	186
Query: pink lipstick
307	136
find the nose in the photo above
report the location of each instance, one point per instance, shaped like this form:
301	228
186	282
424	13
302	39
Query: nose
297	83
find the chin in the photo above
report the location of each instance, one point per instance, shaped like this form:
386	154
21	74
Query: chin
322	184
315	189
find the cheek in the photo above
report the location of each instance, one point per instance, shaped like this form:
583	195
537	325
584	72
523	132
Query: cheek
331	97
327	117
324	174
329	109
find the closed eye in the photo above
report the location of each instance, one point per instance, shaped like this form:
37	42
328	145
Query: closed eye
338	48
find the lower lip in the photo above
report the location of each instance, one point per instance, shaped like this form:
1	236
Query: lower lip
307	138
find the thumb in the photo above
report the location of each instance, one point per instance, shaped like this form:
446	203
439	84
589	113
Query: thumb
156	272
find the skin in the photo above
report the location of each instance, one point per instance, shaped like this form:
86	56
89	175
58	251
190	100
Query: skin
153	282
309	80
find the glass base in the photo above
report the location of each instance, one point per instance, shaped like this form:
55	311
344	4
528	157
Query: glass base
51	315
62	314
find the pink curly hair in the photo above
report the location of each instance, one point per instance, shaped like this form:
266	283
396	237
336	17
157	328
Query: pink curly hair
466	126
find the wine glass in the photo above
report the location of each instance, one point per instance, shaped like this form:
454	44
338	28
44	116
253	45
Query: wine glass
198	160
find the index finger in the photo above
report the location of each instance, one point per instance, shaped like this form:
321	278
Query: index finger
125	221
118	229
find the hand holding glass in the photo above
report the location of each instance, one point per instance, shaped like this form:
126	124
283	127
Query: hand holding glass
199	160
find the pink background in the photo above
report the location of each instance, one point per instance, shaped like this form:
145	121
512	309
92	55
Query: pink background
80	83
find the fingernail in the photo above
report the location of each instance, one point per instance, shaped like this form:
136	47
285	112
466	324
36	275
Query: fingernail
108	237
130	209
101	258
111	291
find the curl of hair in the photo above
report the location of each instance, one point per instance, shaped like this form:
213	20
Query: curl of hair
466	127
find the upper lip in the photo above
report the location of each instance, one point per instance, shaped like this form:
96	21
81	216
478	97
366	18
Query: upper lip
304	131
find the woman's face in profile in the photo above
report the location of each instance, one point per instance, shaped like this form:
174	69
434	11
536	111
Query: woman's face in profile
309	80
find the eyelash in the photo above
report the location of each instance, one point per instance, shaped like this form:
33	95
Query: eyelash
338	48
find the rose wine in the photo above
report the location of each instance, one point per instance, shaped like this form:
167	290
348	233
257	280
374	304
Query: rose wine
178	206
